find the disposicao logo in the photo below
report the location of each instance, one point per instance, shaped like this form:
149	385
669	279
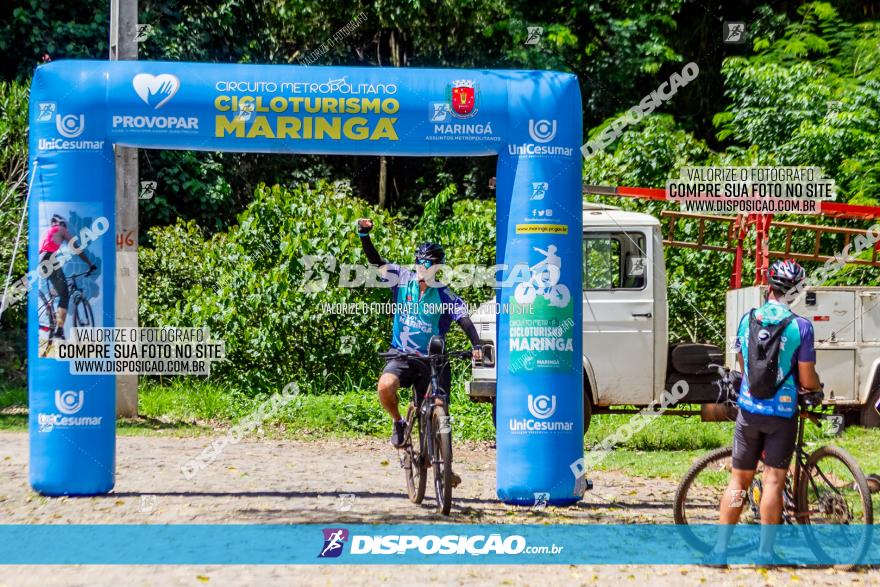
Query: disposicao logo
334	540
450	544
155	90
430	544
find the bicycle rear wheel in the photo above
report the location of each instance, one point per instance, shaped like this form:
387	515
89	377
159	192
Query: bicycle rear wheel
46	323
46	314
698	499
442	458
833	490
415	467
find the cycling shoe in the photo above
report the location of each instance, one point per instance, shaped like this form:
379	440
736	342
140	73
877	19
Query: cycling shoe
398	435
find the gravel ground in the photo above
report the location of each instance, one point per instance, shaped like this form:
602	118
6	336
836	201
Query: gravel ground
285	481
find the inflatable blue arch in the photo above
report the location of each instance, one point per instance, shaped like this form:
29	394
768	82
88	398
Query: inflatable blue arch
530	120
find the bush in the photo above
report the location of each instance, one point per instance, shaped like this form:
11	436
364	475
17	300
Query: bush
250	285
13	187
274	327
167	271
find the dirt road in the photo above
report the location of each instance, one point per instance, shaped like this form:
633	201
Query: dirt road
351	481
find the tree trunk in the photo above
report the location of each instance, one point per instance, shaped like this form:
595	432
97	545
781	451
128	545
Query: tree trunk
383	181
397	59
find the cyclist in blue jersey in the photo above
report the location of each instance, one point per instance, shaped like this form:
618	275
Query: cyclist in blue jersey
775	352
421	311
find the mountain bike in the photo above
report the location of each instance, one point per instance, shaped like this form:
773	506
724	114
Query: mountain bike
79	303
428	437
826	486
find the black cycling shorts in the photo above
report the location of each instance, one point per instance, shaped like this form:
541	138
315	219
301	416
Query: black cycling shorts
417	374
58	281
770	439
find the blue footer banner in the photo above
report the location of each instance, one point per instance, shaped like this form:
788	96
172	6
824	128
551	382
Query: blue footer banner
432	544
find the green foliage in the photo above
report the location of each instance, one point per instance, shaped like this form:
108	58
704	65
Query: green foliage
13	130
12	395
250	286
191	400
168	270
466	229
616	47
189	185
275	331
645	155
811	97
13	187
30	29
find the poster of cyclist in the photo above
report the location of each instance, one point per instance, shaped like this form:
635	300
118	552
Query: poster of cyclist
541	324
70	278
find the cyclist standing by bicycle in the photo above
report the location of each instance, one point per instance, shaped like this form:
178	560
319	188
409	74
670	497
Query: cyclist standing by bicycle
775	352
55	237
420	312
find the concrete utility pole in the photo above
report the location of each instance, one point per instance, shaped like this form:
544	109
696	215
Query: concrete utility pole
124	46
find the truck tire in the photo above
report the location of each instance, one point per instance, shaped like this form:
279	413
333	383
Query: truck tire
869	416
588	410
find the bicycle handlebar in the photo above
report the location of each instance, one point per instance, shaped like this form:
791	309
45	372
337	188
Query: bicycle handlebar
417	357
811	399
729	392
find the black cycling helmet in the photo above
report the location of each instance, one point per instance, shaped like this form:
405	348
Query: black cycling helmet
430	251
786	275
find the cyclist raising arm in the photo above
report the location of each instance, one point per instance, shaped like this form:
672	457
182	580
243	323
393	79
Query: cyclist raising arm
55	237
420	312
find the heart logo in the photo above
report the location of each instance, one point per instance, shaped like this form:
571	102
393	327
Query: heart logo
155	90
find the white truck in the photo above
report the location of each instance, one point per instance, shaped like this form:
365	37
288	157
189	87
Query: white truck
628	362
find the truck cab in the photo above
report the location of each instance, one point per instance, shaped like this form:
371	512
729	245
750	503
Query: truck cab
625	322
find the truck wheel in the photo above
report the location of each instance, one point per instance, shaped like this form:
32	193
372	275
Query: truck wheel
588	411
869	416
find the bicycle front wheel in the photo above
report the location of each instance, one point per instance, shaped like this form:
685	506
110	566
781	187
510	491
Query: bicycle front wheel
832	489
82	314
698	500
415	466
442	458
